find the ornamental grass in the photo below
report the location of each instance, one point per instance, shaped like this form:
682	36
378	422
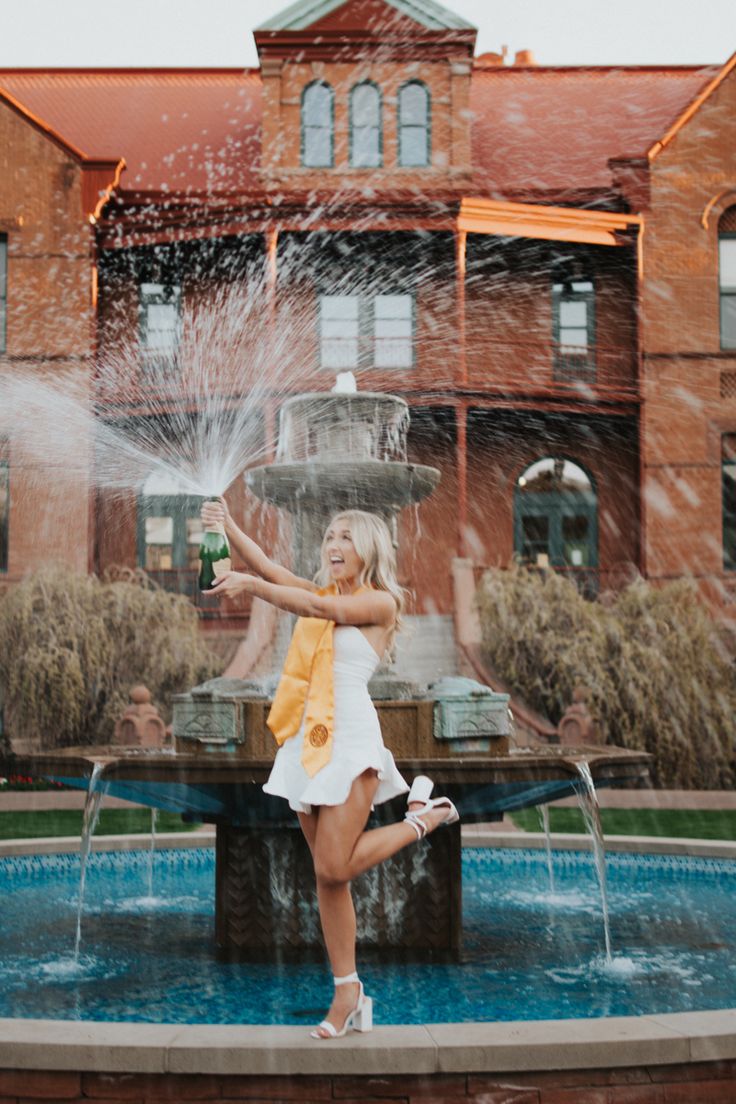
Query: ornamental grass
658	675
73	645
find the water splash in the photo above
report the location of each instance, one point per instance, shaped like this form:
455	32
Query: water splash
543	811
92	805
151	854
588	802
193	420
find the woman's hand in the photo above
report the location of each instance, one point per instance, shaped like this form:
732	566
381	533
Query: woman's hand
231	583
215	512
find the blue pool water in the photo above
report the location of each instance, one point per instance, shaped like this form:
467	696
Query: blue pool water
529	953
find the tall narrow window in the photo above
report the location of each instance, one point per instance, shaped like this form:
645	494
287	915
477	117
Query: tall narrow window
318	125
728	500
339	331
3	290
4	513
160	314
393	326
573	322
366	139
727	277
414	125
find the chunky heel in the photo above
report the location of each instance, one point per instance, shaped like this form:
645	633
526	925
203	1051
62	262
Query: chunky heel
421	790
364	1016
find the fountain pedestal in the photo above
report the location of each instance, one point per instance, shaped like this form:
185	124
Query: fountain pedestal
266	904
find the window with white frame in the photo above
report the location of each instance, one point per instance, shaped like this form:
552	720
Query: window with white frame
366	331
3	290
393	331
160	314
573	321
366	138
318	125
414	125
339	332
727	278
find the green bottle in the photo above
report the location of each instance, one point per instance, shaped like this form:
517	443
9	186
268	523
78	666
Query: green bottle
214	555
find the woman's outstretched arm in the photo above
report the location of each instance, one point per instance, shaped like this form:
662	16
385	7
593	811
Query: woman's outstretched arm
217	512
369	607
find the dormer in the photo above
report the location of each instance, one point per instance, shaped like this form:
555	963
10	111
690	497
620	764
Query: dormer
364	94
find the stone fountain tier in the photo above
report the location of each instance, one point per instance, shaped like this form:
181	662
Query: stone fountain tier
381	486
340	452
264	907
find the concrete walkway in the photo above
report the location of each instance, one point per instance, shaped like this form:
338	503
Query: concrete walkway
22	801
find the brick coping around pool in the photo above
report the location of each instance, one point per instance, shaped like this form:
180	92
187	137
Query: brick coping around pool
688	1057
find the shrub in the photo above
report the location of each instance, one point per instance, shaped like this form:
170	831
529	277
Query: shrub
658	679
73	646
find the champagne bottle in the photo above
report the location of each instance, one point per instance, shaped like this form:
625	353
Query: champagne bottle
214	555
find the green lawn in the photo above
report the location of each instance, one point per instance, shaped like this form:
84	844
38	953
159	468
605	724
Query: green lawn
68	822
692	823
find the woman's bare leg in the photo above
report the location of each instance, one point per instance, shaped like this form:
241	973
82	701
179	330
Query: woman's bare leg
342	850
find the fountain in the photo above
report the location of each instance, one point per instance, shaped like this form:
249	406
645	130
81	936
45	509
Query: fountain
337	450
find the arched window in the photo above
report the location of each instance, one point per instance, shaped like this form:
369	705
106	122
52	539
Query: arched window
366	132
318	125
414	124
556	518
727	276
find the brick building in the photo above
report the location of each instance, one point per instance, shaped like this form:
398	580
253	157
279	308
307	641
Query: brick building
541	260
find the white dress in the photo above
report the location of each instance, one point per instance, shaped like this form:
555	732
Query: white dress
357	743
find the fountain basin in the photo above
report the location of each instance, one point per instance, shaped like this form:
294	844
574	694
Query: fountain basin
264	879
687	1055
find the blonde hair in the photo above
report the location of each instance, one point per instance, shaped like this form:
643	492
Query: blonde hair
375	549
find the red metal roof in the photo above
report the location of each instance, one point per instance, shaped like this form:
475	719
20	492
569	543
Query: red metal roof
178	130
534	128
552	129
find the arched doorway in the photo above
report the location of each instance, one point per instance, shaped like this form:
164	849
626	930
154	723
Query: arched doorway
556	519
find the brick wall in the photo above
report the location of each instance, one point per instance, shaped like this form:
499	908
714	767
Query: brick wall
685	407
702	1083
49	336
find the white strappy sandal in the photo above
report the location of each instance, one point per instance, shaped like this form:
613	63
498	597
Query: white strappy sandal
421	789
360	1019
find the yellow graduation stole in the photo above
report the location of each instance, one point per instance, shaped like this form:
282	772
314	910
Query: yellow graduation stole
307	678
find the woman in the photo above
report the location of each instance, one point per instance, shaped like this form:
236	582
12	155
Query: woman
332	766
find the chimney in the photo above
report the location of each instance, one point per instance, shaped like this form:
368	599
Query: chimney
494	59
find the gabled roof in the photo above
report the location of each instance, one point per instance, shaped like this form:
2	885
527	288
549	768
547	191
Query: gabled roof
178	130
692	108
551	129
305	13
534	130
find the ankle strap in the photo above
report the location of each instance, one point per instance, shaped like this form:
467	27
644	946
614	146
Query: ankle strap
346	980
